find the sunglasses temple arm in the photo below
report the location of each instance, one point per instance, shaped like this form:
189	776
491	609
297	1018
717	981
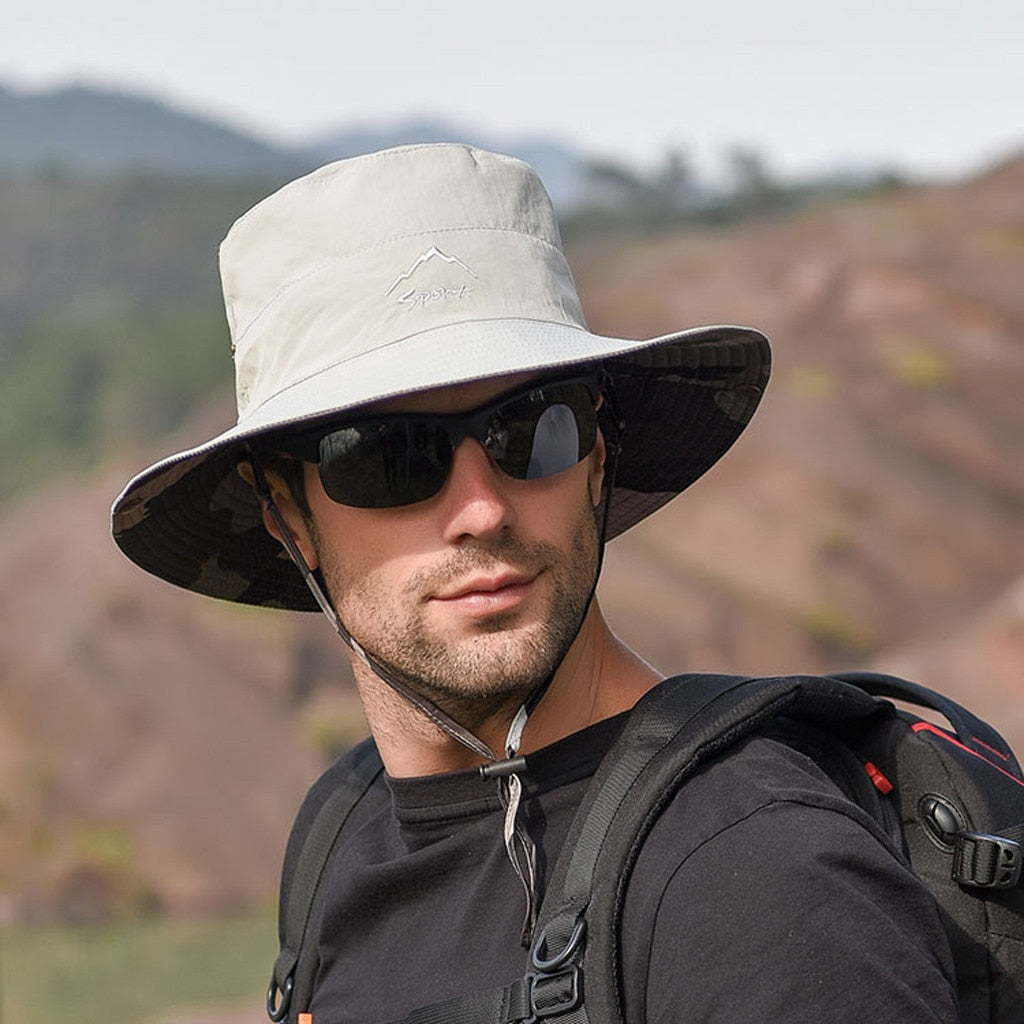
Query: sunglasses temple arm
428	708
613	446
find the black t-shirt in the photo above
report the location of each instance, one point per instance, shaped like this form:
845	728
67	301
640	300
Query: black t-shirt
762	894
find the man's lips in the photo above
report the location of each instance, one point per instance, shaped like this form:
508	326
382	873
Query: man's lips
486	595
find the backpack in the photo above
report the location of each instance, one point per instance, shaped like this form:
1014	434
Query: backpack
951	798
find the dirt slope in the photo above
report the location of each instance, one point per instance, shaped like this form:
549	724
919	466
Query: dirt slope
878	495
150	753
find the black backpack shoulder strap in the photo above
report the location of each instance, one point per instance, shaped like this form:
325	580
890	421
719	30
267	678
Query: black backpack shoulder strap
672	731
345	796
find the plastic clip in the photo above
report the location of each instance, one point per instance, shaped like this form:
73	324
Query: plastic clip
983	861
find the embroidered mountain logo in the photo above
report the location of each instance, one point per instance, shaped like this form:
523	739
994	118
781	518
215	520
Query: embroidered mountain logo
425	291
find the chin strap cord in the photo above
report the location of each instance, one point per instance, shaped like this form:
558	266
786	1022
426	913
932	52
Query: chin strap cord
520	848
427	707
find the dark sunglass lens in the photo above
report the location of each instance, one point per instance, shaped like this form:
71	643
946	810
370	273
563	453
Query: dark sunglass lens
384	464
548	432
556	443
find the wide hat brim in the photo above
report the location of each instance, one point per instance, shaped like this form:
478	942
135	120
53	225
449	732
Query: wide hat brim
684	398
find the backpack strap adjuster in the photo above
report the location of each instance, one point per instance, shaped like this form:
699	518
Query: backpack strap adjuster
983	861
552	994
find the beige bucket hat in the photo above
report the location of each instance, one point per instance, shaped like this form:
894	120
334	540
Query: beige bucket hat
396	272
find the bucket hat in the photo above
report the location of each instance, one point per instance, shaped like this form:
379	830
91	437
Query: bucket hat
396	272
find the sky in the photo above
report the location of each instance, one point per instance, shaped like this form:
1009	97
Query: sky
935	89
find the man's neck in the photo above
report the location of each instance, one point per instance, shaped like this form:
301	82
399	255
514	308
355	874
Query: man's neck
598	678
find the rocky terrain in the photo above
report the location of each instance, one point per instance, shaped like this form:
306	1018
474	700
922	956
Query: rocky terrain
154	745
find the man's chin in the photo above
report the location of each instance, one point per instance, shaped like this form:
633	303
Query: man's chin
500	665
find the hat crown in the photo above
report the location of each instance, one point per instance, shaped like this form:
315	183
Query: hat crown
392	273
371	250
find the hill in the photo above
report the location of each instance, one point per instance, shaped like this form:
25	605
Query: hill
150	749
94	131
88	131
153	744
885	464
111	324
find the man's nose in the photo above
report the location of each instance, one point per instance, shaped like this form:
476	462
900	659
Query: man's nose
475	495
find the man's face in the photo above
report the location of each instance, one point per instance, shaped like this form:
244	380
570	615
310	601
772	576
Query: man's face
474	595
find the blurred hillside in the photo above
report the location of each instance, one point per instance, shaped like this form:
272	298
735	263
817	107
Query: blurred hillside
872	514
99	131
110	319
95	132
154	745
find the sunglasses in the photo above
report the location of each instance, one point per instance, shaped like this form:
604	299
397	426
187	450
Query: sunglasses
390	461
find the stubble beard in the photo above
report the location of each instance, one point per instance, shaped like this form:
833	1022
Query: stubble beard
503	660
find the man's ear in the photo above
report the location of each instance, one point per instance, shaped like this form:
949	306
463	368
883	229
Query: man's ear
284	501
597	461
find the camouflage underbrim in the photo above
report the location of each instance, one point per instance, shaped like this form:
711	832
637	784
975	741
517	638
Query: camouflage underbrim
685	398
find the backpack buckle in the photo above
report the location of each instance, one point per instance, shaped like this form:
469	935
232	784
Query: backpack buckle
983	861
552	994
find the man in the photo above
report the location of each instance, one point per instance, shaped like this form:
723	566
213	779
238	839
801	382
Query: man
433	449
